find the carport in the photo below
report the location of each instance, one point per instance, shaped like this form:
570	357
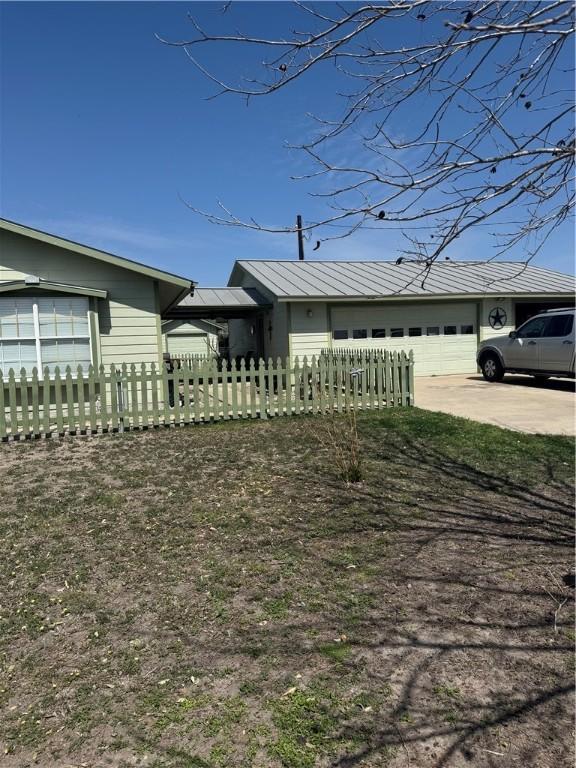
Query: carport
245	305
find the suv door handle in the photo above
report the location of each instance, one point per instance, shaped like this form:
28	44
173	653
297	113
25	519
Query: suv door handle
567	341
532	343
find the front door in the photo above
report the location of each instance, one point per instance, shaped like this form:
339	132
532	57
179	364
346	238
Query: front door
557	343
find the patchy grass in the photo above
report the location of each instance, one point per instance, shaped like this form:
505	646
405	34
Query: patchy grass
219	596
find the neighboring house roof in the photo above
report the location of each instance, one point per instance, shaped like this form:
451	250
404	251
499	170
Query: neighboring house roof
386	279
184	284
220	302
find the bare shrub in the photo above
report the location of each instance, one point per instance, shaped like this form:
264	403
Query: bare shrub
338	435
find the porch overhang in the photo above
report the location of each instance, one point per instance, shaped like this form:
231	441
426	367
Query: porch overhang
212	303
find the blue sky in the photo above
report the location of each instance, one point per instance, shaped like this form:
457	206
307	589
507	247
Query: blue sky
104	129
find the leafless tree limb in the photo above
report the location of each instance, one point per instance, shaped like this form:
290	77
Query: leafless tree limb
472	125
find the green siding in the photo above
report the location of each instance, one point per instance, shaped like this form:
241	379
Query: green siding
127	319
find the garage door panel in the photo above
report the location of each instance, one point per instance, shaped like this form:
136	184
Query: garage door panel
434	354
187	344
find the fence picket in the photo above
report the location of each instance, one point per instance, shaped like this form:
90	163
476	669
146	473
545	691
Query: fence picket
70	415
175	377
46	387
154	395
3	430
35	402
215	390
289	390
234	388
252	383
272	386
121	397
205	392
58	401
92	399
196	390
243	388
225	406
114	406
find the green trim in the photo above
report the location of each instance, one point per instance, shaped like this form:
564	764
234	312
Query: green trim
44	285
85	250
289	326
94	331
159	338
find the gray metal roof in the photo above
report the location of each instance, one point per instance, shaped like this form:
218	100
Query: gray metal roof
375	279
225	298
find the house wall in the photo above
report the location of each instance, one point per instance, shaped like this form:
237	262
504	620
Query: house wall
309	329
486	306
127	321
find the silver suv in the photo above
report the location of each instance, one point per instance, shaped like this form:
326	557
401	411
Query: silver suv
543	346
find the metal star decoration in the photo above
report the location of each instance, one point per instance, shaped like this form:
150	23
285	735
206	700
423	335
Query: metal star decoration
497	318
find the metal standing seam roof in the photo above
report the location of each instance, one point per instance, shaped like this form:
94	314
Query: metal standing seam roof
376	279
229	298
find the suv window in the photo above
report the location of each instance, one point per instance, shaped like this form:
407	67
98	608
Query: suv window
558	325
532	329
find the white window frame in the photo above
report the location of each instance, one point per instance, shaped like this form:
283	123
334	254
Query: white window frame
38	339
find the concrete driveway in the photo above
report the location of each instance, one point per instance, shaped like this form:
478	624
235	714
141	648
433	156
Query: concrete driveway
519	402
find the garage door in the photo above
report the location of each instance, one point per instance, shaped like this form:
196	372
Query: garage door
442	336
187	343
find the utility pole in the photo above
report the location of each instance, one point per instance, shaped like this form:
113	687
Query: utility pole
300	238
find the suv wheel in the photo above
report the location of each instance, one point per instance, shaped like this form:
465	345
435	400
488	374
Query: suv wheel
492	369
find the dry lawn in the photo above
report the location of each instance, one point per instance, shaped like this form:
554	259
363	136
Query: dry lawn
218	596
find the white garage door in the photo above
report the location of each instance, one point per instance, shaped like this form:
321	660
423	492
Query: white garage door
443	336
187	343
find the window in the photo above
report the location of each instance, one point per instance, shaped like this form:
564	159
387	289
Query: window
378	333
338	335
44	332
558	325
396	333
467	329
414	331
359	333
433	330
532	329
450	330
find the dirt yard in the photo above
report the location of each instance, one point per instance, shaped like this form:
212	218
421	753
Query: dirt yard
218	596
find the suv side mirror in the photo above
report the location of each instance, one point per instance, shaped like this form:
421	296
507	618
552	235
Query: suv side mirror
513	335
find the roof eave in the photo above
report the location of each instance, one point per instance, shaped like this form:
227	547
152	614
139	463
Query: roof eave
104	256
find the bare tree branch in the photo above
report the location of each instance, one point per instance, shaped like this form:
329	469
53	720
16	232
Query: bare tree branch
472	124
